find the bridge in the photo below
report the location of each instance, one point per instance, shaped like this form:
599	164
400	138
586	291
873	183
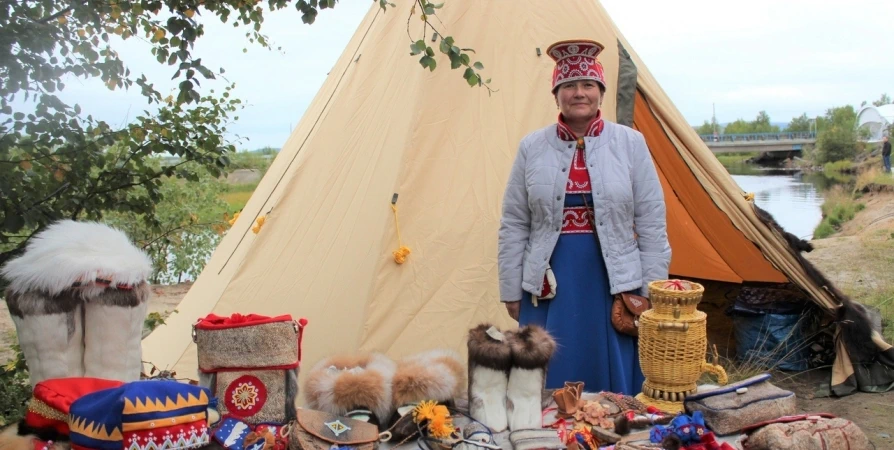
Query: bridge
791	142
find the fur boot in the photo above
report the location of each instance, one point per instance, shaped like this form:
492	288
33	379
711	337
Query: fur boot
64	266
113	330
352	385
532	347
436	375
490	359
50	332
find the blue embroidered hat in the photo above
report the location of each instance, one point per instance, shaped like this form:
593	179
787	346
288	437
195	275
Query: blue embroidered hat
142	415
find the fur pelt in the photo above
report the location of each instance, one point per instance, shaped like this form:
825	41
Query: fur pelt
68	252
434	375
342	383
487	352
532	347
21	437
852	318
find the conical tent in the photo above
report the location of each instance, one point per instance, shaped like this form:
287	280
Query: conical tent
381	125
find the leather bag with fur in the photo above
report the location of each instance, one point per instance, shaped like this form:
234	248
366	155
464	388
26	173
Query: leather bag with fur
317	430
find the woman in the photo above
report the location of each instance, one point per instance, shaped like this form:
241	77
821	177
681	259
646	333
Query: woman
569	178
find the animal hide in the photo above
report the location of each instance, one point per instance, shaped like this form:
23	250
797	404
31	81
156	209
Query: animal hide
489	362
344	383
852	318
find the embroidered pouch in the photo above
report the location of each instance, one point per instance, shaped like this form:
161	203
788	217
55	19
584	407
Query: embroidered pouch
317	430
257	396
234	434
727	410
241	342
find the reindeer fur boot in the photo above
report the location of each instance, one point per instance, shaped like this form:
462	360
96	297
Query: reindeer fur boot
354	386
532	347
64	270
490	359
436	375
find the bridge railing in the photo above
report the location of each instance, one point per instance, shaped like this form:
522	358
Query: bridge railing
782	136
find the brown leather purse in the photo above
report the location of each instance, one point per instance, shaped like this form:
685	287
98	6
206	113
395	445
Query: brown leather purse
626	307
317	430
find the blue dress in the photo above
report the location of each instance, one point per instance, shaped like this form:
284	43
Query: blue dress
579	318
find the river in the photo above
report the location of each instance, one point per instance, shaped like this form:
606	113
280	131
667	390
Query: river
793	198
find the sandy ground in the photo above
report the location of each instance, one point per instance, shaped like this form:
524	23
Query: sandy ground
846	260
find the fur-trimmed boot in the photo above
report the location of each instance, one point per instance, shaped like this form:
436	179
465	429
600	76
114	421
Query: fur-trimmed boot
532	347
490	359
355	386
436	375
66	270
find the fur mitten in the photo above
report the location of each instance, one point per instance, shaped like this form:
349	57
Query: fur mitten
532	347
352	386
489	361
436	375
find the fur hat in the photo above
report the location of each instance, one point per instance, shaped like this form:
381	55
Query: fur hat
67	254
437	375
344	383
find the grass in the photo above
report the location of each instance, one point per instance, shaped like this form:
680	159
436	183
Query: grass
878	247
839	167
873	179
838	208
237	195
732	159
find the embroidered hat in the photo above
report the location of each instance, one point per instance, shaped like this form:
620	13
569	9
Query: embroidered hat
142	415
52	399
576	60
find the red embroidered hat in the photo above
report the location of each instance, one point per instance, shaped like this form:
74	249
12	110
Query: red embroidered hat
52	399
576	60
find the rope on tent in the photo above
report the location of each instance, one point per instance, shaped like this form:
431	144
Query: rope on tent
402	252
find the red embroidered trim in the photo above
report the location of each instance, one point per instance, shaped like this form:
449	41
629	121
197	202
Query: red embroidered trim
594	128
576	219
578	177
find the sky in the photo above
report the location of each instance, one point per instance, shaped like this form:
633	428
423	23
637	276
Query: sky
787	57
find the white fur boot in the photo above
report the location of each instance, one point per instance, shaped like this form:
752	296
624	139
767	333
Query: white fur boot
489	361
50	332
66	270
532	347
113	331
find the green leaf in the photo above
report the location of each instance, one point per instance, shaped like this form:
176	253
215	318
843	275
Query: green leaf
465	59
428	62
478	65
13	222
473	80
414	49
429	51
455	61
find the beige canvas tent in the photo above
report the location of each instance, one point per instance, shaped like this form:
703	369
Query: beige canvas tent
382	125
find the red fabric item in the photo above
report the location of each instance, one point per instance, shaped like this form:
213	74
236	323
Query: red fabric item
576	219
594	128
236	320
576	60
675	285
52	399
194	433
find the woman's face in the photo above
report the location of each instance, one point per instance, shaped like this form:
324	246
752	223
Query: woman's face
579	100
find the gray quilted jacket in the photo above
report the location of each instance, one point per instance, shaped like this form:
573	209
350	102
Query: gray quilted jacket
626	193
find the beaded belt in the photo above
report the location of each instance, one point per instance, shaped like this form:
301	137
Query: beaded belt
576	219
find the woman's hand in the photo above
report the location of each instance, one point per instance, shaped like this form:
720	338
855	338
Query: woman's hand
513	308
